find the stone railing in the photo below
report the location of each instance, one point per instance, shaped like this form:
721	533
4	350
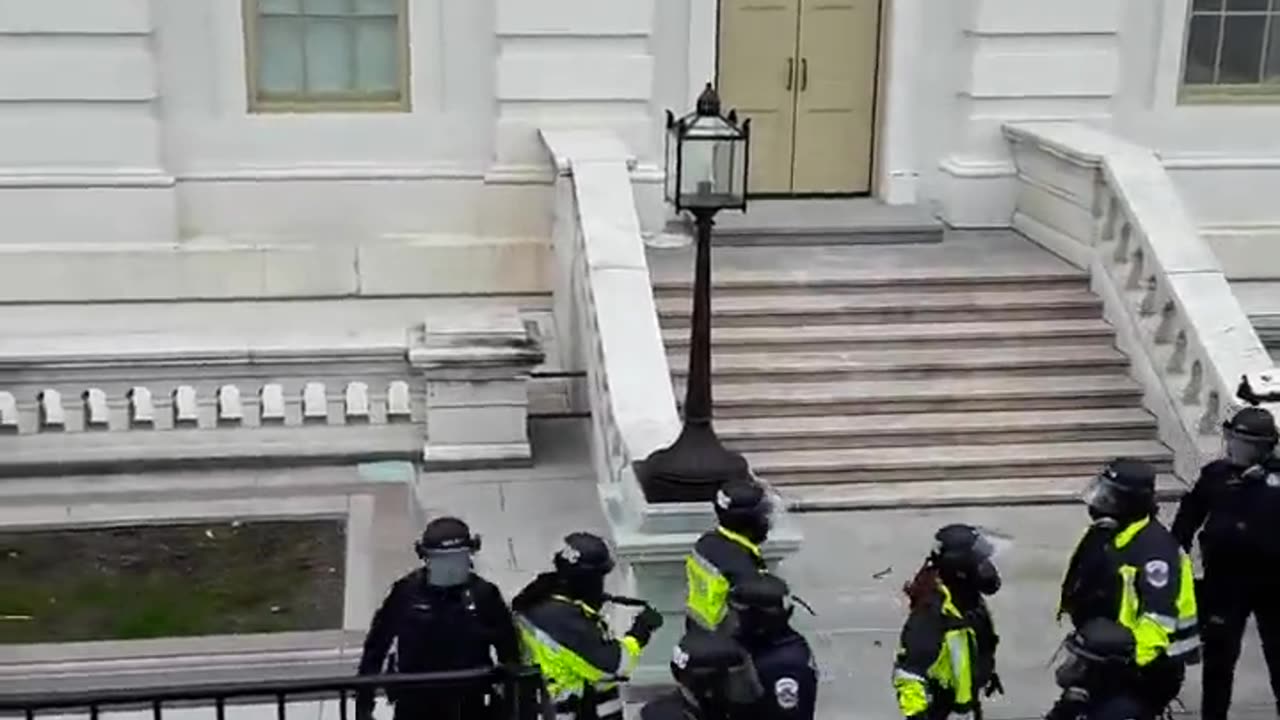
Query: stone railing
1108	206
608	323
452	391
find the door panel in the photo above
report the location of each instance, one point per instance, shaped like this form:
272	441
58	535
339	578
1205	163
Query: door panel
835	103
757	48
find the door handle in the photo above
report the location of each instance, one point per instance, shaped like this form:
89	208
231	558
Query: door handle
791	71
804	74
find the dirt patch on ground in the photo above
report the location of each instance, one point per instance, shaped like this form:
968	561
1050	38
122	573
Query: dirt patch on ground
131	583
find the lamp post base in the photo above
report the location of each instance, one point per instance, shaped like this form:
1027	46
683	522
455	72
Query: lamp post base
692	469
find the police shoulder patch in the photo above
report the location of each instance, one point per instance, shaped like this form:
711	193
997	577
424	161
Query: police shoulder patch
1273	480
1156	573
787	692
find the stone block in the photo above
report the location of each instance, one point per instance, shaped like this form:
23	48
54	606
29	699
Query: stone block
230	409
271	401
186	411
52	414
142	409
476	367
8	413
315	403
97	415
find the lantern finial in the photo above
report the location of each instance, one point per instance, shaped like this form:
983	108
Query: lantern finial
708	102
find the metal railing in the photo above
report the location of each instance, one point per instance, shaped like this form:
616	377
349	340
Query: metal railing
521	694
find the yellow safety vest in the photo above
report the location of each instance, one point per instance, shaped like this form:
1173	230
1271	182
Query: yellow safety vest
1177	636
951	670
567	674
708	598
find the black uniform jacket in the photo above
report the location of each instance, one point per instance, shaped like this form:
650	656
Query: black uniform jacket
1238	518
789	675
439	629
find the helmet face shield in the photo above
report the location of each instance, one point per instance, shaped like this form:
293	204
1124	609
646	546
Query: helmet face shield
1244	450
1103	496
448	568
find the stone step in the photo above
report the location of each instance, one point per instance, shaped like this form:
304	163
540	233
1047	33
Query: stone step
957	335
949	462
908	364
942	395
734	282
1037	490
916	429
834	309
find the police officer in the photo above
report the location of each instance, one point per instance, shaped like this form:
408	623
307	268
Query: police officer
782	657
440	617
948	645
564	633
1237	502
1099	676
1129	568
727	554
715	681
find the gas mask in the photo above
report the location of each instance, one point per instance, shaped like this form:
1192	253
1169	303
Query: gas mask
987	578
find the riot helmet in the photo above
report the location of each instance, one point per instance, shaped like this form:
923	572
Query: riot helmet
1124	490
1249	437
716	677
964	557
447	547
744	506
582	563
762	605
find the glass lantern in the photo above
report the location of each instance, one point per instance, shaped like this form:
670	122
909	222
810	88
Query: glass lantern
707	158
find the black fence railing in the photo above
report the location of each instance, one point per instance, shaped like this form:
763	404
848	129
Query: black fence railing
515	694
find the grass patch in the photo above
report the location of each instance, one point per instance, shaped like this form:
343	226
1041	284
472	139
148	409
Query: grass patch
153	581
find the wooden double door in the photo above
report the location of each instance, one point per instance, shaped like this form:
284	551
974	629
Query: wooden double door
804	71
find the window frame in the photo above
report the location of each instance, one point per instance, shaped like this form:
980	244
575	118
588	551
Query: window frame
1227	93
328	102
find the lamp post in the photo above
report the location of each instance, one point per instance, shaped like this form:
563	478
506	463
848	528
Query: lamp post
706	172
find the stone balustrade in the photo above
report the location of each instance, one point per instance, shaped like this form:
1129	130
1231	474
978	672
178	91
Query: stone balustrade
609	318
67	408
1109	206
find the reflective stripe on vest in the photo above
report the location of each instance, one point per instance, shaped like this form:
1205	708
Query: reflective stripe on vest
707	601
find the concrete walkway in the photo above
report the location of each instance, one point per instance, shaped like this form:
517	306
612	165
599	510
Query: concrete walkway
850	569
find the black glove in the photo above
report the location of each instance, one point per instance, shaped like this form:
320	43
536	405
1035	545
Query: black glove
645	625
994	685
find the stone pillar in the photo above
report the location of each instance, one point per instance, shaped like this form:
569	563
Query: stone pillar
476	367
652	541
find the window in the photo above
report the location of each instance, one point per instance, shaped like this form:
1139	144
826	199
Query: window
1233	51
307	55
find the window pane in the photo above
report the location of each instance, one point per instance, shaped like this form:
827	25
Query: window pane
327	7
1202	47
1207	5
1241	49
1271	73
1247	5
280	55
278	7
328	45
376	7
377	55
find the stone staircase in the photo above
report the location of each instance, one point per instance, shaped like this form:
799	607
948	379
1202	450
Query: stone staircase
925	386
